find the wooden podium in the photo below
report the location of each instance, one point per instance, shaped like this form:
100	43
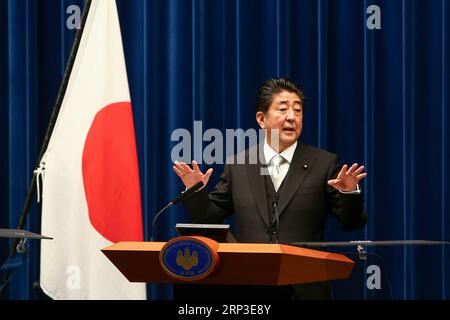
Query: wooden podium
237	264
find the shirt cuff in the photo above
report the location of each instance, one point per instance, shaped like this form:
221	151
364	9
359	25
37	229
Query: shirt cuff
357	191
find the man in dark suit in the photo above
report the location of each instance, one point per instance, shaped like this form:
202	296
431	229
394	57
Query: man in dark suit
291	202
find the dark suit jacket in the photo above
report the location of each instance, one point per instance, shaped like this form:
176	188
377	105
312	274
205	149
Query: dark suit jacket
304	199
304	202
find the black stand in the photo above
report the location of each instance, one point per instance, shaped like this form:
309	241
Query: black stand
17	258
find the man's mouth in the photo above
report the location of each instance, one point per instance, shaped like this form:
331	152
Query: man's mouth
289	129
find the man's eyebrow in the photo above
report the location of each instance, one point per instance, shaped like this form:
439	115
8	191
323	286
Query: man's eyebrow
287	100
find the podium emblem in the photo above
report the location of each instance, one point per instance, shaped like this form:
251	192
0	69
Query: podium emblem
187	258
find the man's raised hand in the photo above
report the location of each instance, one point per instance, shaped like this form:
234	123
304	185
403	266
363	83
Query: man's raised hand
347	179
189	176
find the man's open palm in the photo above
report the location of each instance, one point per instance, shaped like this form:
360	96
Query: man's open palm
348	179
191	177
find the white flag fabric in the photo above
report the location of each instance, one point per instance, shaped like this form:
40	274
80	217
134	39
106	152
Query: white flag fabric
91	193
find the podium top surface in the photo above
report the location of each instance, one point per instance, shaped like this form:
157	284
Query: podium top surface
370	243
21	234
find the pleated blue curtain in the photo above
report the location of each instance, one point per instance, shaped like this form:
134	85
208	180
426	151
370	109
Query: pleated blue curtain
376	97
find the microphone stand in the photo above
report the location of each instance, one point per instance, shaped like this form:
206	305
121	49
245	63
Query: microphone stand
185	194
274	220
275	230
156	217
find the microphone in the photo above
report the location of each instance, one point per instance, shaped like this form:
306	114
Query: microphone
184	195
274	220
275	229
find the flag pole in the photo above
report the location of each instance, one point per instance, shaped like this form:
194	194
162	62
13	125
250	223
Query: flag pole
53	117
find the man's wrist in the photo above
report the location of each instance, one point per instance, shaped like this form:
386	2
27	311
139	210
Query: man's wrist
356	191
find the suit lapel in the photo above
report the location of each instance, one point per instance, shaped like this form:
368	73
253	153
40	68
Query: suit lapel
301	165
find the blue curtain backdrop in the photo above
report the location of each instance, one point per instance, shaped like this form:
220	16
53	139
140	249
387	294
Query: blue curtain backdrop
376	97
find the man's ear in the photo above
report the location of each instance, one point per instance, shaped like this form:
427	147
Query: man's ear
260	118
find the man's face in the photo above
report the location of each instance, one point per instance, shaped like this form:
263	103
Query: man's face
285	114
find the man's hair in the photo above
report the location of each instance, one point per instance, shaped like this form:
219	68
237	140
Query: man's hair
271	87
